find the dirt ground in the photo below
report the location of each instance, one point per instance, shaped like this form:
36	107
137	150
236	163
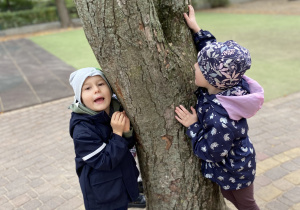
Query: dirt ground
283	7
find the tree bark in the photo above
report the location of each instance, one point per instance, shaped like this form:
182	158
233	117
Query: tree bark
63	14
146	50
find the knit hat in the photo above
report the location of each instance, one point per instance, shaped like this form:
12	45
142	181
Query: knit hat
78	77
224	63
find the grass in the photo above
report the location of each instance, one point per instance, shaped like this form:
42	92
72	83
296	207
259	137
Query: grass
70	46
273	41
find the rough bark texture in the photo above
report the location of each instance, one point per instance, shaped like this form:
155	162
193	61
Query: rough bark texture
63	14
146	51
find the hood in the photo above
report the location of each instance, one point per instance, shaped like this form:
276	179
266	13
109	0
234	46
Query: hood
79	108
244	106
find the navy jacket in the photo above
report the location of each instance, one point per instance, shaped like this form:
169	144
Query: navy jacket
106	169
220	137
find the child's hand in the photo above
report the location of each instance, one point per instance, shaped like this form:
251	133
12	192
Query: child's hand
191	19
127	123
185	117
118	123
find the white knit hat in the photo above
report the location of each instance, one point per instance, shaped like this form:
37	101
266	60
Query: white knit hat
78	77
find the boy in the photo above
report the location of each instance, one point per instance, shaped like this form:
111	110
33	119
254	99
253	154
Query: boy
102	138
218	127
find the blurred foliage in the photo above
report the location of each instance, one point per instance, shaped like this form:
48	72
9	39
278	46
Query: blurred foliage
27	12
27	17
15	5
202	4
218	3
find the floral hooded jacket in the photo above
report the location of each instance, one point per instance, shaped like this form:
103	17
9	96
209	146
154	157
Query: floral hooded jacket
220	137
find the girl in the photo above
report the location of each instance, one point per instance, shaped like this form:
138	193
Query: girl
218	127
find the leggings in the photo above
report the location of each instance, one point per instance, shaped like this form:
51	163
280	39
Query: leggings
242	199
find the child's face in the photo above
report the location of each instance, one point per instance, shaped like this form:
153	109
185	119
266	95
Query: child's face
200	80
95	94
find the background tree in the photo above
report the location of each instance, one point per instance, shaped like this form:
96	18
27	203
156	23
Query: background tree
63	14
146	51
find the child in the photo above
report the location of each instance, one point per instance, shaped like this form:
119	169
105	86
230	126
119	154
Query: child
218	127
102	138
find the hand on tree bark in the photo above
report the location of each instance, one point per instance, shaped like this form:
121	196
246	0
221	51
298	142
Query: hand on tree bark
185	117
191	20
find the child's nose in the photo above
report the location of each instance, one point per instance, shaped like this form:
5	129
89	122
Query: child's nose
97	89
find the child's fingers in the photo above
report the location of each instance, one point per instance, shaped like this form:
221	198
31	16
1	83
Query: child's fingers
191	10
179	112
186	17
178	119
185	111
125	114
113	117
193	110
117	116
121	116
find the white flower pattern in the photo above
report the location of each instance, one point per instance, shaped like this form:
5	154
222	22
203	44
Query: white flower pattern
223	120
214	145
226	137
192	134
216	101
245	149
243	130
224	153
221	178
227	187
213	131
232	179
209	176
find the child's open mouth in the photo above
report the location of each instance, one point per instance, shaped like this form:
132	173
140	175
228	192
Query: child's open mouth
99	100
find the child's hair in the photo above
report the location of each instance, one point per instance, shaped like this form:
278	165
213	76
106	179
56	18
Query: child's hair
78	77
224	63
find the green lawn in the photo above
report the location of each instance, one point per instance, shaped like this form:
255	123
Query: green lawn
70	46
273	41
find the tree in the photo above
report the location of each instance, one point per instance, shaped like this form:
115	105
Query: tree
146	51
63	14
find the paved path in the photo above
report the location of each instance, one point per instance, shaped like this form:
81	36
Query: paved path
37	157
275	132
30	75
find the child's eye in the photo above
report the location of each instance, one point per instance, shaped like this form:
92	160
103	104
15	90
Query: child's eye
87	88
100	84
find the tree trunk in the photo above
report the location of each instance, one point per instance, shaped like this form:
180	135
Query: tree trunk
7	5
146	50
63	14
